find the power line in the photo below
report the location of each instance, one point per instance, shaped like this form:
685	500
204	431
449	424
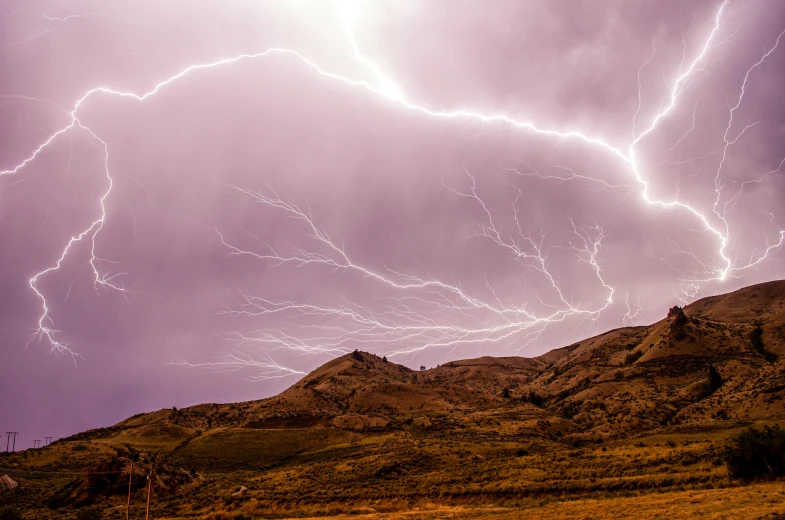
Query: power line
149	489
8	438
130	481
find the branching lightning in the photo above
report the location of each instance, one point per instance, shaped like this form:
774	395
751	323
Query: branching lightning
265	368
427	312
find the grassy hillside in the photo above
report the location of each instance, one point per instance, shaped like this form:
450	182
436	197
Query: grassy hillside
636	416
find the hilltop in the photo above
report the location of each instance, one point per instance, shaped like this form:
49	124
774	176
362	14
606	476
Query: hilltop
631	410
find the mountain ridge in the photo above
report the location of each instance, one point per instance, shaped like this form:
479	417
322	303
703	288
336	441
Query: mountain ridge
634	408
578	382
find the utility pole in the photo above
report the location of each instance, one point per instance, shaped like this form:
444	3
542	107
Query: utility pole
8	439
130	479
149	488
36	443
48	441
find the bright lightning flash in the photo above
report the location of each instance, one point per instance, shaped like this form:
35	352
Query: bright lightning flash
429	312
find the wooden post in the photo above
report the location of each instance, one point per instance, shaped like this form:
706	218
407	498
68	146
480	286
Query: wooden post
149	488
130	480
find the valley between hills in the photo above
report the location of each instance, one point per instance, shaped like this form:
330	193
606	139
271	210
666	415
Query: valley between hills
627	424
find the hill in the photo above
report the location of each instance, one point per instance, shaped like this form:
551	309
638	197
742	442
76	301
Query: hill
631	411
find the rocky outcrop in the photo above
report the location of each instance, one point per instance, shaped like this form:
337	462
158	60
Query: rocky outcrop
115	475
679	322
7	483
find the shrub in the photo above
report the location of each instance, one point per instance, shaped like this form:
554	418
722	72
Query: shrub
89	513
569	411
9	513
632	357
756	338
756	453
715	380
534	398
229	516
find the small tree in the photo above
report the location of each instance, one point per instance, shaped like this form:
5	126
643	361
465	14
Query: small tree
9	513
384	359
756	453
506	393
422	367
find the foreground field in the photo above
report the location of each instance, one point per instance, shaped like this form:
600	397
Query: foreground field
748	502
673	472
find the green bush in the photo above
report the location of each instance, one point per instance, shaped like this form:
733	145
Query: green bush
756	453
9	513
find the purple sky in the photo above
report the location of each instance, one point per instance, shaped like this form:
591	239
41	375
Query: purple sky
427	180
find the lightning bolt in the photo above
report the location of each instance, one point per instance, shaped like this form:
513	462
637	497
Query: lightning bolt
265	368
60	21
633	311
402	321
565	174
435	314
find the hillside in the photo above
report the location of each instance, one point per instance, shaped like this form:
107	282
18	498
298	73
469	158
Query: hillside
634	409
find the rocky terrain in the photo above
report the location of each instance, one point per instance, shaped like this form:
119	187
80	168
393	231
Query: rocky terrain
625	416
